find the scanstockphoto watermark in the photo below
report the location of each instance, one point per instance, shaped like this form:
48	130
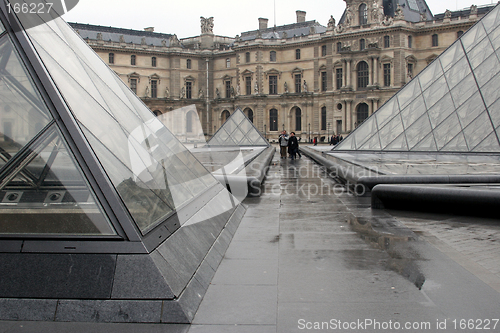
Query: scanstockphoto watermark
32	13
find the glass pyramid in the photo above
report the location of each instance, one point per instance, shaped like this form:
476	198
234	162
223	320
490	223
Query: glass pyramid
78	147
238	130
453	105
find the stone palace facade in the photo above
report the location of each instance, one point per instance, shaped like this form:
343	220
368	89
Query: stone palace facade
304	77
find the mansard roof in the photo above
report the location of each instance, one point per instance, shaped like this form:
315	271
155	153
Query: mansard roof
291	30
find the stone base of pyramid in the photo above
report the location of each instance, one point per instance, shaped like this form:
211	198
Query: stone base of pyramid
164	286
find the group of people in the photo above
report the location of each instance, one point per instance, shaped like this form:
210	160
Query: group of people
335	139
289	144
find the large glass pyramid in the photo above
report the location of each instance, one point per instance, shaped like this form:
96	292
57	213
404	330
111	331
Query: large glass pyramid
238	130
453	105
74	132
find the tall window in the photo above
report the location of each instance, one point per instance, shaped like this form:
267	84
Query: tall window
133	85
410	71
387	75
154	89
228	63
298	119
362	113
339	77
225	115
247	57
228	89
339	47
323	50
249	114
248	85
298	83
297	54
188	63
132	59
273	85
273	120
323	118
363	14
272	56
189	90
111	58
435	41
362	44
363	75
387	41
410	42
153	61
323	81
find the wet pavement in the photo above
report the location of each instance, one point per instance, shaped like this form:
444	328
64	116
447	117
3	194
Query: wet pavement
309	256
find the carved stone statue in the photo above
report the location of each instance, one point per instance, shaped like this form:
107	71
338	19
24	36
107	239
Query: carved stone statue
238	90
183	92
256	88
174	41
201	95
423	17
285	35
348	17
473	10
233	93
399	15
122	39
286	88
376	12
447	14
207	25
146	93
339	29
305	86
387	21
167	93
331	23
217	93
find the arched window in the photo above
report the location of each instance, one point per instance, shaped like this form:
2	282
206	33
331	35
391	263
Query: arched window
153	61
362	44
362	74
132	60
188	63
249	114
225	115
111	57
272	56
273	120
298	119
361	113
323	118
363	14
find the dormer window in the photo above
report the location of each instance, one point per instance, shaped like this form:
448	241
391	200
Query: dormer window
363	14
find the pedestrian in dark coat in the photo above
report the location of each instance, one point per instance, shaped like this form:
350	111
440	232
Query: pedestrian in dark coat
293	145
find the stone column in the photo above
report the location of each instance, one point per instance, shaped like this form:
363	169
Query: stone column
348	73
370	72
375	70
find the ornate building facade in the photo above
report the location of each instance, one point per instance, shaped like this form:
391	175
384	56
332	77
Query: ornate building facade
304	77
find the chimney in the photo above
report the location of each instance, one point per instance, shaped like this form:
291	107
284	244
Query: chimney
263	23
150	29
301	16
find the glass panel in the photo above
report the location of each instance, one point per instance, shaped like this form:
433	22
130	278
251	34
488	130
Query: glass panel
490	90
456	144
429	74
451	55
470	110
419	130
441	110
488	69
364	131
478	130
399	144
473	36
408	93
222	135
49	194
447	130
488	145
457	73
387	112
238	116
246	126
346	144
480	52
389	132
490	21
427	144
237	135
494	113
414	111
435	92
229	125
464	90
23	114
372	144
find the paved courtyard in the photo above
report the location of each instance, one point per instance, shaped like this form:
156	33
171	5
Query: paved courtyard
309	256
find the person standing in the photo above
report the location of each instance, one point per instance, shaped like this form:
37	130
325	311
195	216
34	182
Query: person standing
293	143
283	142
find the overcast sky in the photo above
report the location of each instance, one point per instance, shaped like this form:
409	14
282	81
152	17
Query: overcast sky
230	17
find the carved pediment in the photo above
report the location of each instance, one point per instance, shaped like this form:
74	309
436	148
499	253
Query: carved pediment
154	77
273	71
134	75
246	73
189	78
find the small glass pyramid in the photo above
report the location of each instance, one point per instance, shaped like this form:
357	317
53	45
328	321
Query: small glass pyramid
453	105
238	130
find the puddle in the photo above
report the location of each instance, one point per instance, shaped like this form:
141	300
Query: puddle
396	240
